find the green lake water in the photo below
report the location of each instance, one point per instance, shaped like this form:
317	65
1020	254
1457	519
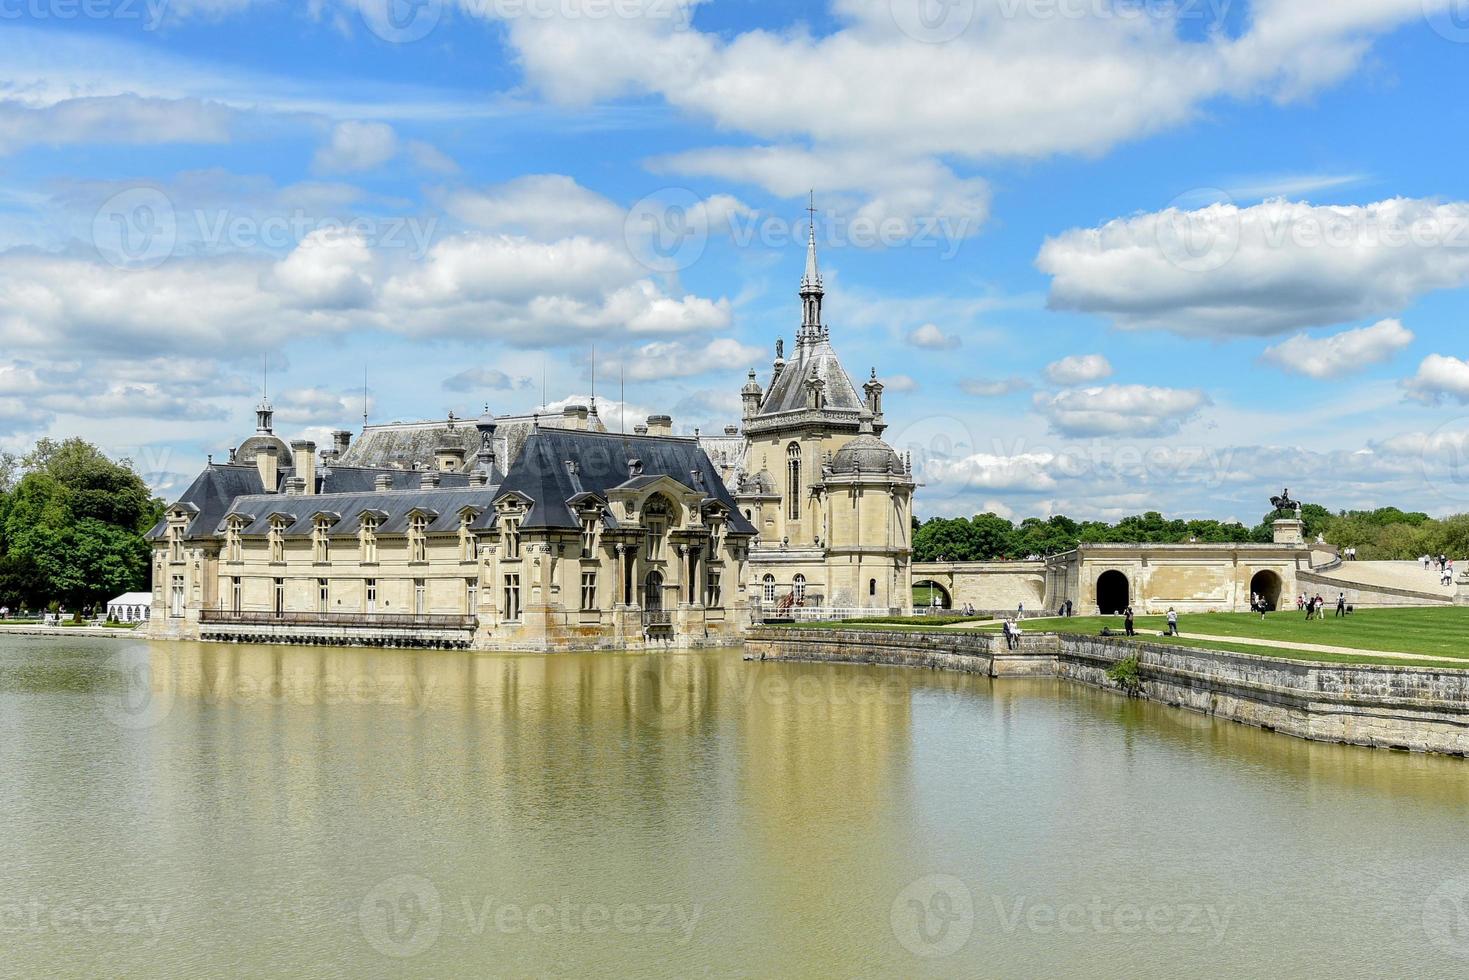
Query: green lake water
175	810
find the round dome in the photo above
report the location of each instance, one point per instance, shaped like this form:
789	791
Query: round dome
251	446
866	454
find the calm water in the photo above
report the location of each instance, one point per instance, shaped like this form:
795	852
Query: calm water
258	810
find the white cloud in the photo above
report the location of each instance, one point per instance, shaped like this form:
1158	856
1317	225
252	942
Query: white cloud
1277	266
541	205
328	270
485	379
1341	354
675	359
993	388
125	119
1440	378
930	337
318	406
900	383
357	146
1133	410
1079	369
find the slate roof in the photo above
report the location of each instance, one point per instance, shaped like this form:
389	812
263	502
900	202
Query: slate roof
788	392
211	495
541	475
402	444
398	505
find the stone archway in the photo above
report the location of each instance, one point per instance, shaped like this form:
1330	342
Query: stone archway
1114	593
929	594
1268	586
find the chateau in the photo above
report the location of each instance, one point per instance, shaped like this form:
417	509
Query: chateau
550	532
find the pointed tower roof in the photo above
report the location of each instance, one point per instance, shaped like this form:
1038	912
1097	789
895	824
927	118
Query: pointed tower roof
811	281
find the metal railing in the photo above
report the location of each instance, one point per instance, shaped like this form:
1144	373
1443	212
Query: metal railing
225	617
657	617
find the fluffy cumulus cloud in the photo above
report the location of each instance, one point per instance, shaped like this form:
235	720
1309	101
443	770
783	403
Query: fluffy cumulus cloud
1079	369
1340	354
1440	379
977	82
357	146
676	359
1262	270
1119	410
931	337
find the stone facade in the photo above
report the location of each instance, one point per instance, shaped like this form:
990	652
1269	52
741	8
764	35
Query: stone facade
549	532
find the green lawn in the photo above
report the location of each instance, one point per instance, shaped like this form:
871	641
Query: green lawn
1442	632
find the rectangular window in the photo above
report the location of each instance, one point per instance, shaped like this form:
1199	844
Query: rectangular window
512	598
280	597
323	596
232	537
175	544
236	594
588	538
420	597
512	537
588	590
655	541
418	547
176	597
369	542
471	596
277	543
713	594
371	598
322	543
466	541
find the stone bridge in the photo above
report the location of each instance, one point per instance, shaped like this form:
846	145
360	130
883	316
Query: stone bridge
988	586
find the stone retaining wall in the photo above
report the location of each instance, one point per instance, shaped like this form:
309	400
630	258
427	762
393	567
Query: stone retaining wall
1416	708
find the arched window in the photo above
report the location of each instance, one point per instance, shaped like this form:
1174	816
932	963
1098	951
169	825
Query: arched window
872	587
793	482
769	583
798	588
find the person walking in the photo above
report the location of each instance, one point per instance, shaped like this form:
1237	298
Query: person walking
1310	609
1341	603
1172	622
1127	621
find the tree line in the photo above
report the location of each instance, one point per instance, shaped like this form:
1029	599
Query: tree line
71	527
1384	534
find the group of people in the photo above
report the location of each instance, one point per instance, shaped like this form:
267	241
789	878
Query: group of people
1129	623
1012	634
1315	606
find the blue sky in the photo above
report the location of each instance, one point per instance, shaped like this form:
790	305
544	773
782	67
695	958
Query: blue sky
1108	257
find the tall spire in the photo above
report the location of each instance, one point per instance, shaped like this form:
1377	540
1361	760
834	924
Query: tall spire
811	288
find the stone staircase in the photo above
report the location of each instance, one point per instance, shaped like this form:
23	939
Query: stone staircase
1382	582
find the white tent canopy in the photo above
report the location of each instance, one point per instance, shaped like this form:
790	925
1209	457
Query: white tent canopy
133	607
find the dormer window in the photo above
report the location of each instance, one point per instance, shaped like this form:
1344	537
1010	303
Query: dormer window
511	536
367	536
277	540
321	542
418	538
655	518
466	537
233	545
588	537
176	543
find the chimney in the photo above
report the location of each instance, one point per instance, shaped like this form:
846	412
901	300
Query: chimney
305	464
269	468
449	459
479	478
341	439
295	486
660	425
383	483
640	429
429	480
575	417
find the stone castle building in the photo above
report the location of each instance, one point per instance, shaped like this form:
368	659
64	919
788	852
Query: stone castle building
540	532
